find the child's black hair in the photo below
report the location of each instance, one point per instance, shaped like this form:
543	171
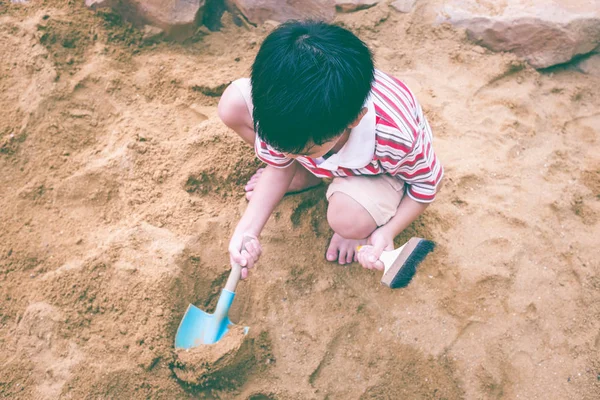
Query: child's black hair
309	82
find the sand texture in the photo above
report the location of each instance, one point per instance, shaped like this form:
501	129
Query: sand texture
119	188
204	364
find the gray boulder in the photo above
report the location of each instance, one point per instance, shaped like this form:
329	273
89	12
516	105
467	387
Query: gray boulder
95	4
590	65
542	32
177	18
403	6
259	11
354	5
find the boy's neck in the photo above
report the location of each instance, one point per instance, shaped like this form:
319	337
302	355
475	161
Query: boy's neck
340	143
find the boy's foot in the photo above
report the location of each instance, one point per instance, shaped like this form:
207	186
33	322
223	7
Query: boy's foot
303	180
343	250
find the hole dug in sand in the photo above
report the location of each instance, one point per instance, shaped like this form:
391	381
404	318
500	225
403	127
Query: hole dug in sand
219	364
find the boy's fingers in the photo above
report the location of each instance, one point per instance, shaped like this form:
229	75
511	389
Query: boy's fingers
244	273
248	258
256	248
373	260
361	260
372	254
368	256
365	248
365	262
377	250
252	251
370	264
238	258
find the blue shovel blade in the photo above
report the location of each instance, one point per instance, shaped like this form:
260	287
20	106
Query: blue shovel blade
198	327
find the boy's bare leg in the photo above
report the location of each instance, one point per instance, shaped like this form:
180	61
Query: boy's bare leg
352	225
233	111
302	180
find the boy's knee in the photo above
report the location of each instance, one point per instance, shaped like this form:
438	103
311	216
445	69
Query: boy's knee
348	218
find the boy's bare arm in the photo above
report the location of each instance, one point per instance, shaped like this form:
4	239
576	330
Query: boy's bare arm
408	211
269	191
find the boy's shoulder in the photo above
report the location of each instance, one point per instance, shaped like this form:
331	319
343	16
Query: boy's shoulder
388	89
398	114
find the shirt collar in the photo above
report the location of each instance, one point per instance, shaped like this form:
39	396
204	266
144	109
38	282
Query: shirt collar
357	152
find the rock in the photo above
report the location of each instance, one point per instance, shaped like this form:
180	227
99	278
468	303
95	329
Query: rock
541	32
151	33
272	24
354	5
79	113
404	6
590	65
95	4
259	11
177	18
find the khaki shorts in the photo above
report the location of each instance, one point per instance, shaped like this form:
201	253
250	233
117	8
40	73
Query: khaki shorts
380	195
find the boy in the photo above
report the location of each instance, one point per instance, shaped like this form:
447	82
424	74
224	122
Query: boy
315	107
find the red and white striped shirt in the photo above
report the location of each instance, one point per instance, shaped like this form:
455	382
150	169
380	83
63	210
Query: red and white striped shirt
393	138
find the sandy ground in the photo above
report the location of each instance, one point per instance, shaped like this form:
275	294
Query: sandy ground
119	188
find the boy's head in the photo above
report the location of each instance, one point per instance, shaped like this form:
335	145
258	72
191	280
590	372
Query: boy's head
310	81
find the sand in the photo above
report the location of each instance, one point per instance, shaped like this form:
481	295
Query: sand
119	188
204	365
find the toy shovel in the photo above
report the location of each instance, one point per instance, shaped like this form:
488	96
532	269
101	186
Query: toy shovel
198	327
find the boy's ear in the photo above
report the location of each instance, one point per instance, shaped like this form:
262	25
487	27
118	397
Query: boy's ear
363	112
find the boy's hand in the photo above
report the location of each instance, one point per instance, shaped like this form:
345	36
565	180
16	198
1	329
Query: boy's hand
380	240
245	250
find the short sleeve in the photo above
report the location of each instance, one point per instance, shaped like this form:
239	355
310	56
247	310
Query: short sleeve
418	167
404	145
423	173
269	155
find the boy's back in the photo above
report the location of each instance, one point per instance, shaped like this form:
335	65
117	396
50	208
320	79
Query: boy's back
336	118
